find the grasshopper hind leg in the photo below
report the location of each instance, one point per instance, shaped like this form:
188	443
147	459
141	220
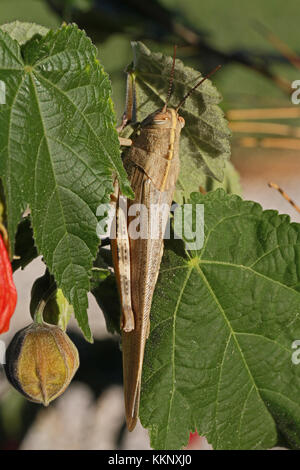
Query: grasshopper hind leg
131	419
120	248
127	319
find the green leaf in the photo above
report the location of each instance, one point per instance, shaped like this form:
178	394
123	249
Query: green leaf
99	275
223	320
65	310
231	184
58	151
23	32
204	144
231	181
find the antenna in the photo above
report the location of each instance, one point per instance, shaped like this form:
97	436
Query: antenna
196	86
170	82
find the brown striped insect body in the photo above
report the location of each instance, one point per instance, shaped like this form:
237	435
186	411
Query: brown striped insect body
152	164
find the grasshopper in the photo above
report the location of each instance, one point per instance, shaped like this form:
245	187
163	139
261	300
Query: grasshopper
152	164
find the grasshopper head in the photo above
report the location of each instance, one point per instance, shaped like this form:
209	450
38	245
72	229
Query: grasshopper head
163	119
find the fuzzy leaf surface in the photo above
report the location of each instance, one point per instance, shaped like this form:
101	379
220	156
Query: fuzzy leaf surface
223	322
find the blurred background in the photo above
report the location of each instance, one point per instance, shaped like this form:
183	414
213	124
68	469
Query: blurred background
257	44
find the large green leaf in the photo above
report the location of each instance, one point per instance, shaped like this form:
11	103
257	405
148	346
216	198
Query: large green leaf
58	151
219	355
204	144
231	181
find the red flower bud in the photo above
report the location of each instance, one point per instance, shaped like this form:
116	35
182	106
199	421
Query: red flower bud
8	292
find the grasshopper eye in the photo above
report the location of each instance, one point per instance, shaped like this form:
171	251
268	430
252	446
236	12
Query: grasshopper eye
160	118
182	121
160	121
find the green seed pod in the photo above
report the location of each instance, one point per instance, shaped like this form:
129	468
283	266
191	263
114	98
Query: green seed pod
41	361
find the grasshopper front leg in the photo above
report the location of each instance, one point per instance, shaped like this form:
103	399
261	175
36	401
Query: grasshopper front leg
125	142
